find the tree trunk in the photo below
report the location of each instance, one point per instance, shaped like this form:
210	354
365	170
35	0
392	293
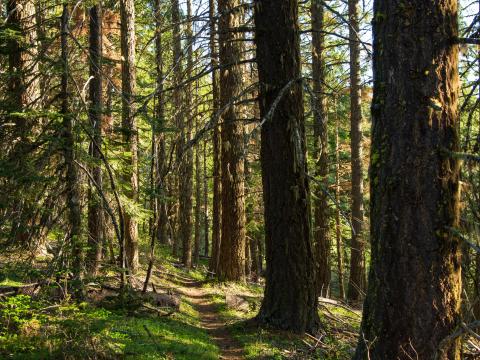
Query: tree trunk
232	247
290	300
205	200
162	215
95	208
23	84
198	201
186	160
338	233
72	180
413	298
129	126
217	184
320	139
356	284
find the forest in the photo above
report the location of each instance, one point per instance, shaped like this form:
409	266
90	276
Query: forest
240	179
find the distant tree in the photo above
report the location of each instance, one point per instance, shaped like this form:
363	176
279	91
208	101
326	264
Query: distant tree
321	210
129	125
290	300
413	298
72	179
356	284
217	184
95	207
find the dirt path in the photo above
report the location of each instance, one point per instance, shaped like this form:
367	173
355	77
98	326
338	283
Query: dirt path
230	349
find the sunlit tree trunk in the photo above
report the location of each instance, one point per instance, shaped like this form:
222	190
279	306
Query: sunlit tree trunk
232	247
413	298
129	126
161	190
320	139
217	184
186	162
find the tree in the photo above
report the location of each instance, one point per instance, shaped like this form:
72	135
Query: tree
72	180
186	157
95	208
159	129
129	126
290	300
357	266
232	246
413	298
217	184
320	136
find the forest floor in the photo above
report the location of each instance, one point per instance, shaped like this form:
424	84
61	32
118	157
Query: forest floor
212	321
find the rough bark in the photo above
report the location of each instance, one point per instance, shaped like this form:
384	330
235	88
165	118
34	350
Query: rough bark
232	246
320	143
413	299
95	206
23	84
129	126
290	300
356	284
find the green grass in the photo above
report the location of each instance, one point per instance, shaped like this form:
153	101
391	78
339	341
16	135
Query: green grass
33	329
83	332
259	343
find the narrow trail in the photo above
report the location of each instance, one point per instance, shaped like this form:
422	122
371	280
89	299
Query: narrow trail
210	320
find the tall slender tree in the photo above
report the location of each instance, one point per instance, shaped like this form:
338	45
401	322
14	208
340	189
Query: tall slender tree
95	207
290	300
129	125
178	108
356	284
232	247
72	180
186	161
217	184
320	138
413	298
159	129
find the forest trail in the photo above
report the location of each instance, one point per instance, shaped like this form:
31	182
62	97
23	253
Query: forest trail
200	298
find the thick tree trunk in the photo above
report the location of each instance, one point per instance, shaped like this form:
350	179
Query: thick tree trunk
129	125
320	136
95	207
23	84
217	184
413	298
72	181
290	300
232	247
356	284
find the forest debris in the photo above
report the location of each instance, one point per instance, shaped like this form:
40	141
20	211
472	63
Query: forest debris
237	302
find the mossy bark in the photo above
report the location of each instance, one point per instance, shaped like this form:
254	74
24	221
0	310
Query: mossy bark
413	299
